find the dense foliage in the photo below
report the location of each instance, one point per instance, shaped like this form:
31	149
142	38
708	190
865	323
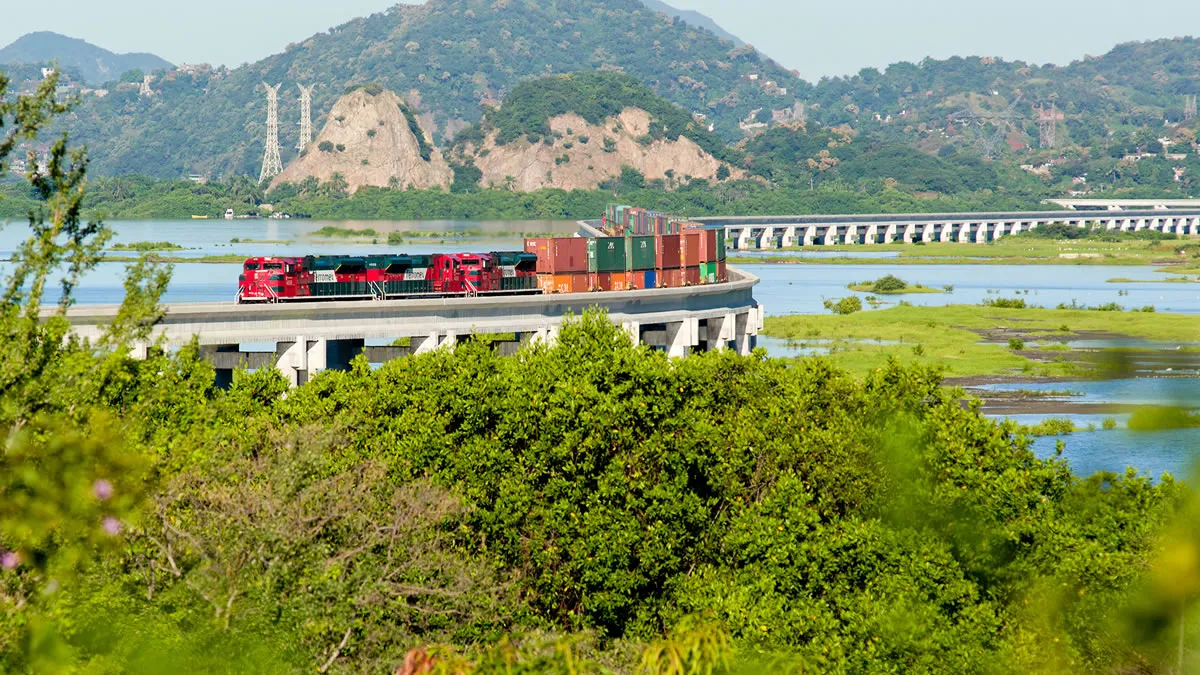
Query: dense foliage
584	506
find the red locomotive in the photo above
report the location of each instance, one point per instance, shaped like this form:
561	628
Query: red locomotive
387	276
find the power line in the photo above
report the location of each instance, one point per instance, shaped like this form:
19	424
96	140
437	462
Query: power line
1047	121
1001	123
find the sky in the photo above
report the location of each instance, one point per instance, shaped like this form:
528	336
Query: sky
817	39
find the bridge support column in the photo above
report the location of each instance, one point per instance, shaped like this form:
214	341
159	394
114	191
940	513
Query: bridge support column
964	233
981	234
547	335
910	231
682	336
292	361
720	332
764	240
789	237
139	351
743	238
810	235
448	341
746	328
634	330
946	233
872	235
224	371
851	235
889	235
831	235
1193	225
424	343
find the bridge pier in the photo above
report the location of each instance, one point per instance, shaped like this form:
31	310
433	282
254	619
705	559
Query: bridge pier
810	235
789	238
682	336
764	240
872	235
889	235
831	235
851	235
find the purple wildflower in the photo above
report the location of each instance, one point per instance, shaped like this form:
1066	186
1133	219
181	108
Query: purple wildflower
102	489
9	560
112	525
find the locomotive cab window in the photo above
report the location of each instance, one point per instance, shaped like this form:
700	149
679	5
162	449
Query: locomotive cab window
273	266
250	267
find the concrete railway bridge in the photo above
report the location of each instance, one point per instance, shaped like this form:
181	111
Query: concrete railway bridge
817	230
315	336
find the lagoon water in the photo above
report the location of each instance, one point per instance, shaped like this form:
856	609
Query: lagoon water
785	289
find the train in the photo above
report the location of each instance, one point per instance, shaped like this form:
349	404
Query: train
387	277
695	256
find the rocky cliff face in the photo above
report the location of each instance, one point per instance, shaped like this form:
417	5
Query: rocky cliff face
581	155
370	140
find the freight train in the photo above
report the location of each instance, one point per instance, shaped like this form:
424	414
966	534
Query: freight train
384	277
547	265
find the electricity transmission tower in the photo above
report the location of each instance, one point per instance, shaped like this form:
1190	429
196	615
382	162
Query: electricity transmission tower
306	130
1047	121
1001	123
1189	107
271	165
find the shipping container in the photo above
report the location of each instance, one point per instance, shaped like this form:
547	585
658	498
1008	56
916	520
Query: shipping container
670	278
543	248
708	272
668	253
606	254
639	253
563	283
692	240
569	254
721	243
722	272
650	280
691	276
613	281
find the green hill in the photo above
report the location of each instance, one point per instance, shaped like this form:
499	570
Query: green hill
448	56
95	64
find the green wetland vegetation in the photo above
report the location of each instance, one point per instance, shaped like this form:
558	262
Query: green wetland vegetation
586	507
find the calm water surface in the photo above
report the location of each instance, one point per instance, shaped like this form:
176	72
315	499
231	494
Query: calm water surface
785	289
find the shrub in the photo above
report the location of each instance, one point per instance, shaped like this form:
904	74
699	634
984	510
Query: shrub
395	239
1109	424
325	146
370	133
889	284
340	147
1005	303
1016	344
722	172
847	305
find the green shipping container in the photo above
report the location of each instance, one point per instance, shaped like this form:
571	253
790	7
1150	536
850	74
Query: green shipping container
606	254
708	273
639	252
721	244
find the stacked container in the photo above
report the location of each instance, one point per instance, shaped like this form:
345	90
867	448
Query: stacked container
694	256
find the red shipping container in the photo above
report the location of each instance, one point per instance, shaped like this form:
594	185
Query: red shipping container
708	251
543	249
613	281
691	276
569	255
722	272
667	251
670	278
693	243
637	280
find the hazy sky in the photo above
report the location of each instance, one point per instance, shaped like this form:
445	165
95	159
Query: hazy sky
815	38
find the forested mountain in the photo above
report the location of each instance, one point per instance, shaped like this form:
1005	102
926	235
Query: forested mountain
447	57
97	65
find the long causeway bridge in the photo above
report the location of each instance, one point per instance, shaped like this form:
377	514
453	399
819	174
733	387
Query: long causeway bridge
828	230
314	336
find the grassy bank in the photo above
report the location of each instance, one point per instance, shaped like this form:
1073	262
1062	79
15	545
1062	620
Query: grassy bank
1011	251
950	337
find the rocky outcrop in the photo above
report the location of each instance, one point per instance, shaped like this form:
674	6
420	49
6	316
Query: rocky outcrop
582	155
369	139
